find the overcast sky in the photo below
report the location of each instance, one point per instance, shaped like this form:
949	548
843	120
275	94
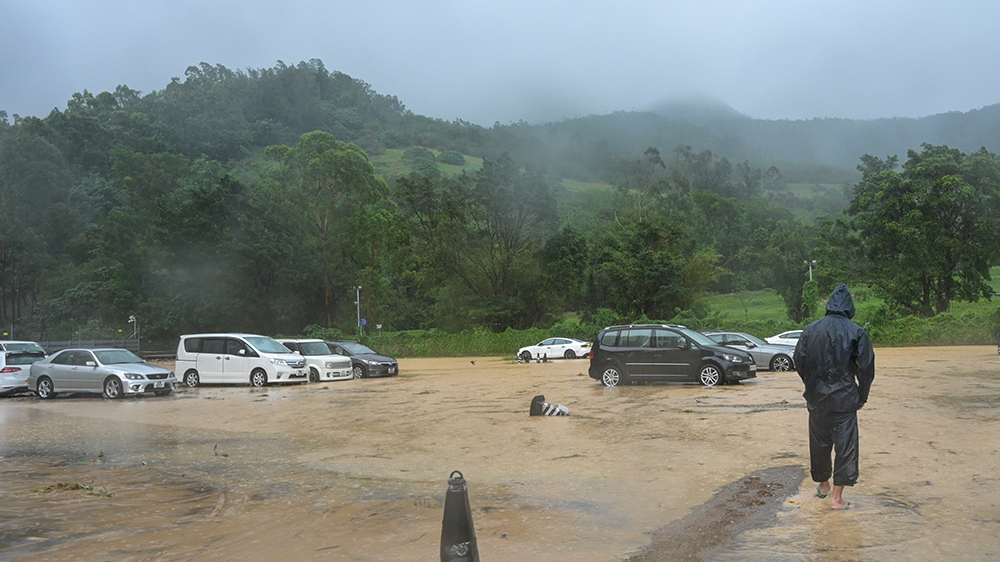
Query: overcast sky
532	60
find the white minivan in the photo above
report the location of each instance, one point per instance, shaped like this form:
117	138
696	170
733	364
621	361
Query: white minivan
322	364
237	359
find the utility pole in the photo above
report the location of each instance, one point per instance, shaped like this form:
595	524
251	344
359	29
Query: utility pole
357	303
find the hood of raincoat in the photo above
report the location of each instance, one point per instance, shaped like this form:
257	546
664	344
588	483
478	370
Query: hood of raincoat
841	302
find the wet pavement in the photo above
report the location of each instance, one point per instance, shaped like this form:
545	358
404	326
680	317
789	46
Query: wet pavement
357	470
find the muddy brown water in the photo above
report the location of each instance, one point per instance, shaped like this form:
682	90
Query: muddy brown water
357	470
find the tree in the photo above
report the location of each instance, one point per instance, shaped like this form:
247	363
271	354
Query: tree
929	233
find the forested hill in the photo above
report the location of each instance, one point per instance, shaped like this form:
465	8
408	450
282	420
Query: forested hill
248	201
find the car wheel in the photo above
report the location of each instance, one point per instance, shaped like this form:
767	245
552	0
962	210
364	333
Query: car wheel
163	392
113	388
710	375
612	376
569	354
358	372
44	388
526	356
313	375
258	378
781	363
191	379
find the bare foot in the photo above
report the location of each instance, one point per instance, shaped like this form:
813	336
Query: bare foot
841	505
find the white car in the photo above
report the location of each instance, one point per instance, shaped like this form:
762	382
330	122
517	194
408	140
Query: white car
785	338
14	367
555	348
323	364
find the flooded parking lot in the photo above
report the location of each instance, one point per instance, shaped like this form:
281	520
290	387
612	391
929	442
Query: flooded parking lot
357	470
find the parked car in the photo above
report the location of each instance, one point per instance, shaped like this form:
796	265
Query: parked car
767	356
112	372
365	362
323	364
648	352
14	368
8	345
555	348
785	338
237	359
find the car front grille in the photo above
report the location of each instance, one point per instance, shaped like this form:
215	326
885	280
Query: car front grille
157	376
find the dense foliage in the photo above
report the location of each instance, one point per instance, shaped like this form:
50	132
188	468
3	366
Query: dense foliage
248	201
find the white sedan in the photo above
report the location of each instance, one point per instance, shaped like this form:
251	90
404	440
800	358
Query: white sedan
555	348
785	338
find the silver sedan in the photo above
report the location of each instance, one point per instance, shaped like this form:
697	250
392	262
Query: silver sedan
773	357
111	372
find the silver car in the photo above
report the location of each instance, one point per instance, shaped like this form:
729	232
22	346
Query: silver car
775	356
111	372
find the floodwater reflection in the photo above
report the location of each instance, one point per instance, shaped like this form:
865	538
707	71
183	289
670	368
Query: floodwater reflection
356	470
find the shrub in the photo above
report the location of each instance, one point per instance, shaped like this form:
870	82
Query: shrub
453	157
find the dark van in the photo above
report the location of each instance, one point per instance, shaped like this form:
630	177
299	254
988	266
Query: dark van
662	352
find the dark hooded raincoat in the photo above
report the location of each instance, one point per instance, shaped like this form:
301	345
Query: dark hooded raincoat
835	359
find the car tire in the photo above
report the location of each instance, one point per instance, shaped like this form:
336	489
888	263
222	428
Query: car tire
258	378
613	376
191	379
358	372
526	356
113	388
45	390
569	354
781	363
710	375
313	375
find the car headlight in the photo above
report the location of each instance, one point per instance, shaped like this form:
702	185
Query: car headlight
133	376
370	362
279	362
329	364
732	358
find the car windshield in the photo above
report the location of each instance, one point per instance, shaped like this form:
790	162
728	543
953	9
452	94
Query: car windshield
265	344
314	348
117	356
357	349
25	346
697	337
754	339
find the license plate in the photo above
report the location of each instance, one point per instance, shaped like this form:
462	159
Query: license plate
392	369
158	384
753	367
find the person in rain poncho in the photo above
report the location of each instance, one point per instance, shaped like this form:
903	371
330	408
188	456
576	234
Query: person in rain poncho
836	362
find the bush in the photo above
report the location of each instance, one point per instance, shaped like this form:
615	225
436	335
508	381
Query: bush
453	157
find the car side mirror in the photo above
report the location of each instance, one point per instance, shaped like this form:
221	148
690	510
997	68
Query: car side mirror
683	344
91	364
750	345
243	352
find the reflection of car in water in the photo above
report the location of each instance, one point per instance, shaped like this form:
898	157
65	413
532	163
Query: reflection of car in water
14	368
365	362
113	372
624	354
767	356
555	348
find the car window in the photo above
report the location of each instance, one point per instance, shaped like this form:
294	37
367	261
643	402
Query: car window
668	340
736	340
27	346
234	347
266	344
81	358
62	358
609	338
213	345
192	345
549	341
117	356
313	348
24	357
640	337
719	338
356	348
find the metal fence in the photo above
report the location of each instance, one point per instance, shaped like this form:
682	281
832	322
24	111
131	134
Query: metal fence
131	344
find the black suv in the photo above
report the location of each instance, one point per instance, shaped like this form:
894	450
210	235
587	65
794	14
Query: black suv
655	352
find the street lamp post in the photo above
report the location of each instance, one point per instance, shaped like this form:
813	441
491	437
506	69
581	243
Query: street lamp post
357	303
811	265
